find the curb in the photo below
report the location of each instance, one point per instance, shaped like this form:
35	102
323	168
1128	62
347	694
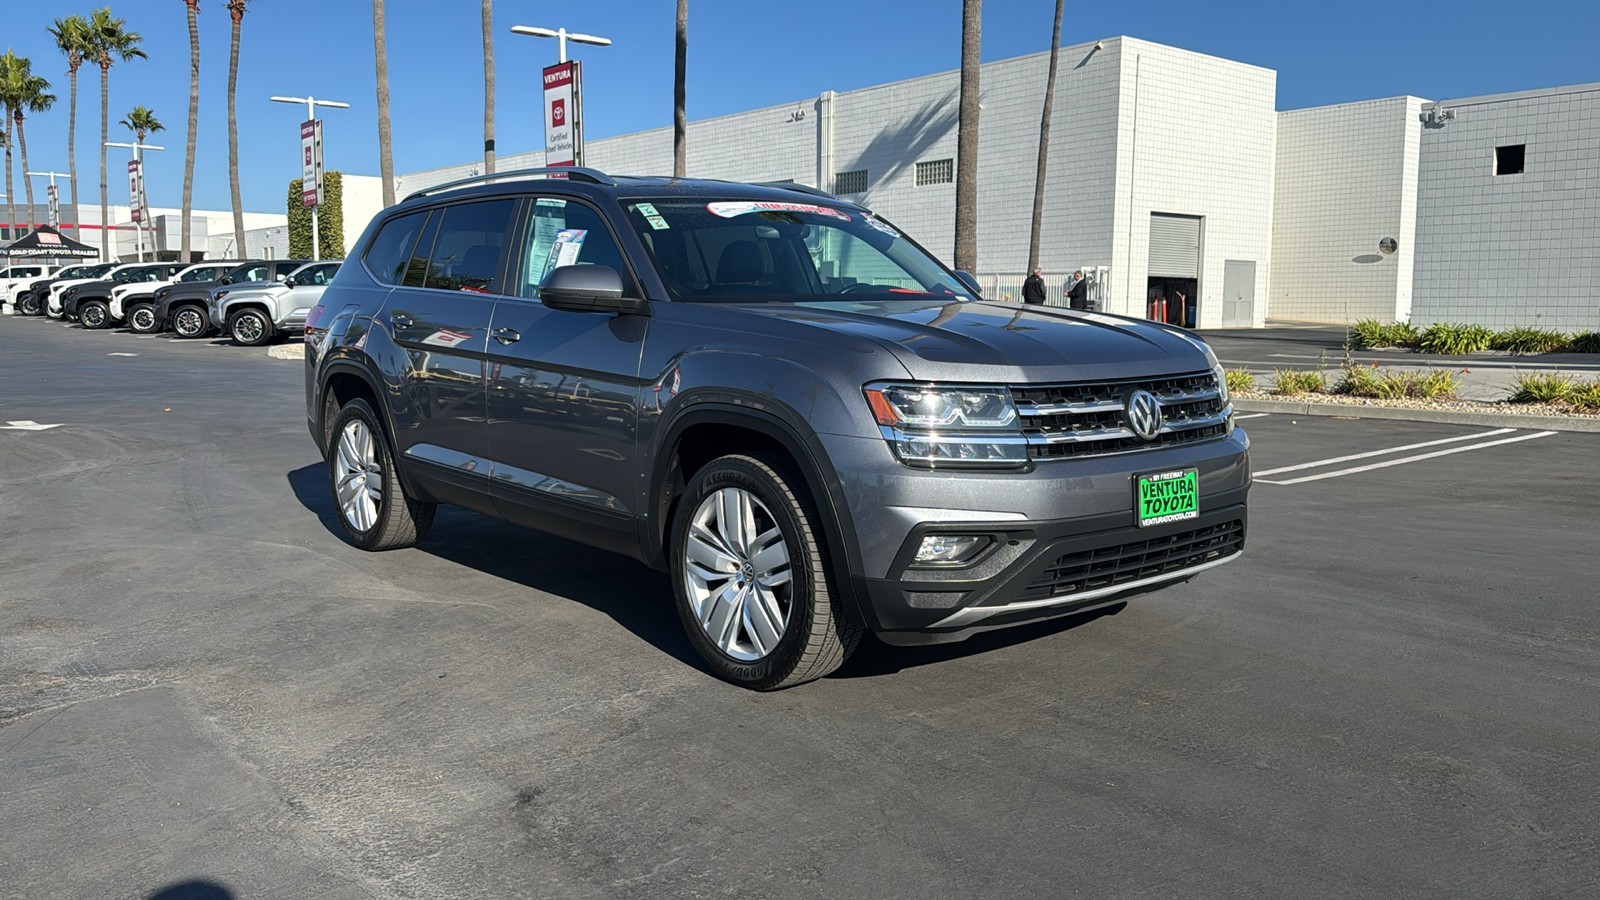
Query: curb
1441	416
287	351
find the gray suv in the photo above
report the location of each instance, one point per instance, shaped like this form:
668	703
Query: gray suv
773	395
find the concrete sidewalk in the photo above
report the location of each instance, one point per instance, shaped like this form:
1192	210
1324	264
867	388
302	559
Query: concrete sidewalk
1486	376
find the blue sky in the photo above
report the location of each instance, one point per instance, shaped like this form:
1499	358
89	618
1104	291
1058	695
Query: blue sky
743	54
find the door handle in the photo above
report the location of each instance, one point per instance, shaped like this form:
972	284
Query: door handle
506	335
401	320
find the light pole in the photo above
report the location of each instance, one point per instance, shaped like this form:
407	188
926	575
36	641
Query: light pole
53	176
562	36
138	157
311	116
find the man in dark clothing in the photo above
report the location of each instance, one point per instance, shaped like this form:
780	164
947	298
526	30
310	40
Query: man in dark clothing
1077	291
1033	288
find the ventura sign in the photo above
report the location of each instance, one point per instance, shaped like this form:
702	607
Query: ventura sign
563	120
311	163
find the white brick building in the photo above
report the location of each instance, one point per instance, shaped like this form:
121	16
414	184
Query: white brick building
1171	174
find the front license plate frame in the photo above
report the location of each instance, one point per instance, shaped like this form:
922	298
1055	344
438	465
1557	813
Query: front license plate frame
1160	498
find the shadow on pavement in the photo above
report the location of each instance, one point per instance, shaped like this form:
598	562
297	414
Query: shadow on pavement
193	890
874	657
635	596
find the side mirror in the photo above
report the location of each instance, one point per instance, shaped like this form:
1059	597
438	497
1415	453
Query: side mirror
971	283
290	282
589	289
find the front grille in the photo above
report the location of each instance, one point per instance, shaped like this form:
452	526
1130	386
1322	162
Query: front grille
1081	571
1064	421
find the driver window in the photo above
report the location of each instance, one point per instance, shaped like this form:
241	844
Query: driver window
566	233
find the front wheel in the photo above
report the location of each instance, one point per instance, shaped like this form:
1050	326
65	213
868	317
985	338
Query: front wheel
54	312
371	503
751	579
94	315
142	318
28	304
250	327
189	322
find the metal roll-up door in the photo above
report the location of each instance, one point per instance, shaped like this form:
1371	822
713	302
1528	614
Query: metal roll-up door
1174	246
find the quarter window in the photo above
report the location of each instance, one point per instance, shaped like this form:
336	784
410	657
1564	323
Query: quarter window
391	249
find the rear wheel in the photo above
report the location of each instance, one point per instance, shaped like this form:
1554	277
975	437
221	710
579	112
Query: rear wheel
250	327
142	318
372	505
189	322
94	314
751	578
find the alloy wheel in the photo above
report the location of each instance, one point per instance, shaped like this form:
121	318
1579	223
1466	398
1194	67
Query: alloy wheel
737	576
247	328
360	479
93	316
188	322
143	319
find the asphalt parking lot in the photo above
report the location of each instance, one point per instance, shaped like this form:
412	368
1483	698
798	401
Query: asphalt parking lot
1393	694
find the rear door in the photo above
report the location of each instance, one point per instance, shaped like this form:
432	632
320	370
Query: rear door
564	386
439	319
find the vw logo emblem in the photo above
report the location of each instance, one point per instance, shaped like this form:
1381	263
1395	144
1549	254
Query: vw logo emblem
1144	414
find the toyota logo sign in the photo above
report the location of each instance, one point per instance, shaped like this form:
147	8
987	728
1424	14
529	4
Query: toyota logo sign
1144	414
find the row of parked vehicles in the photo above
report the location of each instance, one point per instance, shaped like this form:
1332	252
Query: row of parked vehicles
255	302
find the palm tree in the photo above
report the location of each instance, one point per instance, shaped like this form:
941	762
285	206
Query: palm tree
380	46
680	116
488	87
1044	145
194	121
236	10
967	139
21	92
109	41
72	38
141	122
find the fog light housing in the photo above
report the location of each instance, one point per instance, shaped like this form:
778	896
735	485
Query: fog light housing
950	549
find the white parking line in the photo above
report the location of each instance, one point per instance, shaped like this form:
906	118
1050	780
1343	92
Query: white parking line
1370	453
1408	459
1251	416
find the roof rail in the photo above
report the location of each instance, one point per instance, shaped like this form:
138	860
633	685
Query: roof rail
593	176
794	186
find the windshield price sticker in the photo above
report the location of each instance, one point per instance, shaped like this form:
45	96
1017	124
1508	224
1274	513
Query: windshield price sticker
729	209
1167	497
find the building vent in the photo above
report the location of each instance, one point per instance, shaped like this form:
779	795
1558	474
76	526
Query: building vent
1174	246
936	171
1509	160
850	182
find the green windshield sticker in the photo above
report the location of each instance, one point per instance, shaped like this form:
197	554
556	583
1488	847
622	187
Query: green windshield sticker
1167	497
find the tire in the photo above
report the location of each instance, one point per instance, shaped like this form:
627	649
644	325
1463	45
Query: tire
29	304
190	322
377	517
142	318
250	328
94	315
53	314
729	598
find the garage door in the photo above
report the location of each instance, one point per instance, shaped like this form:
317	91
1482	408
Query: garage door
1174	246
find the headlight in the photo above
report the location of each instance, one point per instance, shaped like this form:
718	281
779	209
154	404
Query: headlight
218	296
1222	383
932	425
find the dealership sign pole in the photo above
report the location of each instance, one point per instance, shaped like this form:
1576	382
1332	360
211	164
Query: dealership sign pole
311	193
52	196
136	198
563	97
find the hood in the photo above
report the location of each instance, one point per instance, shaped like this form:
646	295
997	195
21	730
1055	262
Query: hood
1004	342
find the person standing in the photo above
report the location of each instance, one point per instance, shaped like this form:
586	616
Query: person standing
1077	291
1033	288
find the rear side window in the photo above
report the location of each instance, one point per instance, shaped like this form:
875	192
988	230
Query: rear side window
466	254
389	252
253	273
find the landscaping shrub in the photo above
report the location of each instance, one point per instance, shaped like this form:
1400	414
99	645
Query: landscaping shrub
1370	334
1541	387
1288	381
1528	340
1357	381
1371	381
1584	342
1455	340
1586	396
1239	381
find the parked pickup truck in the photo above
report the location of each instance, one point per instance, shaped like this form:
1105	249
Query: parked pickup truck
28	298
260	313
90	302
184	307
135	301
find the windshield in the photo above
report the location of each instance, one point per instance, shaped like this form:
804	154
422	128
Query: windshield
726	251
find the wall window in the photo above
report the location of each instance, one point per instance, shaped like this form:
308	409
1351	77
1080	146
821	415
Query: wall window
936	171
1508	160
850	182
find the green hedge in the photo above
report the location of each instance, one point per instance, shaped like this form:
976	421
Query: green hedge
330	219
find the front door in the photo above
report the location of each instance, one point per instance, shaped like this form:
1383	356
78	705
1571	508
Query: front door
564	386
439	318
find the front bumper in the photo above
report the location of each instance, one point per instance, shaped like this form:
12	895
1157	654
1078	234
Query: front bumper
1063	537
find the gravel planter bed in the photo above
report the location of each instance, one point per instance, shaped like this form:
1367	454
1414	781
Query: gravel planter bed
1500	407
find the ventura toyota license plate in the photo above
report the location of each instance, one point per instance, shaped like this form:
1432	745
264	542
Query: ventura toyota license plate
1164	497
